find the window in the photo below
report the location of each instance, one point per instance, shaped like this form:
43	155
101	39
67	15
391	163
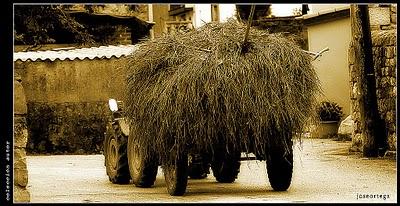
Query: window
176	6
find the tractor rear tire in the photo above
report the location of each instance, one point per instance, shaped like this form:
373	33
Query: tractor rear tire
176	176
115	157
280	166
143	169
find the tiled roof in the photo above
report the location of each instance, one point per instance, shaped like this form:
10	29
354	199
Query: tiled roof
72	54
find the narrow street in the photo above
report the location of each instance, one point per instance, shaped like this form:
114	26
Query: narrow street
324	172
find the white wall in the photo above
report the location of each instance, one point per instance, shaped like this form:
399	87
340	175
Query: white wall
315	8
284	9
202	14
332	66
226	11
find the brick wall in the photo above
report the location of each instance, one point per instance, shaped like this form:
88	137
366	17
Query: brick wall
384	36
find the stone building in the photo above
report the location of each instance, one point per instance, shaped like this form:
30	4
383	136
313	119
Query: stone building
169	18
109	24
329	26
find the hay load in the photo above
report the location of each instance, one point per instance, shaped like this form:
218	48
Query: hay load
201	89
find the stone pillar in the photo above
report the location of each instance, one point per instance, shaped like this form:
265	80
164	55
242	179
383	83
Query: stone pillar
385	56
21	194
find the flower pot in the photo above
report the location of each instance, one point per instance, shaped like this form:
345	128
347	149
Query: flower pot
326	129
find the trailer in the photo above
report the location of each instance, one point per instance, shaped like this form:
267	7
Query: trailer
209	95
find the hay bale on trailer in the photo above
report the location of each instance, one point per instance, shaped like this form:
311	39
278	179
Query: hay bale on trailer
204	91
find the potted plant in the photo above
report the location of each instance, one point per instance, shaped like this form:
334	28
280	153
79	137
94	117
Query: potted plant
330	114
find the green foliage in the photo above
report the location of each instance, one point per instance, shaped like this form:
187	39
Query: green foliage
59	128
38	24
329	111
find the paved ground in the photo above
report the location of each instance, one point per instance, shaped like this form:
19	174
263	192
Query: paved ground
324	172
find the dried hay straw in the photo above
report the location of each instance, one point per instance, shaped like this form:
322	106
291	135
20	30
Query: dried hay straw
198	90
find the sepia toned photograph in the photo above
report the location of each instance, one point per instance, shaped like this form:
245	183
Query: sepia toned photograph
203	103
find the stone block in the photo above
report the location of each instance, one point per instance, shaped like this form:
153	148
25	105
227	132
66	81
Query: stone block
376	51
389	52
393	8
392	139
379	94
355	91
387	62
356	142
382	106
21	177
351	55
20	106
389	71
357	127
391	127
393	18
390	117
392	81
19	153
379	15
392	40
21	194
355	115
375	28
381	71
384	82
20	132
20	164
19	158
351	69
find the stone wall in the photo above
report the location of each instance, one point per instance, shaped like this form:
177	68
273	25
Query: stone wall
383	16
21	194
67	103
384	49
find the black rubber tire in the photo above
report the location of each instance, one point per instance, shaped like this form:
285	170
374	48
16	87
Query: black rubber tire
176	176
115	157
143	171
280	166
198	167
225	167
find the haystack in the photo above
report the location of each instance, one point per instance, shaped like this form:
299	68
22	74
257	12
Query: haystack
200	89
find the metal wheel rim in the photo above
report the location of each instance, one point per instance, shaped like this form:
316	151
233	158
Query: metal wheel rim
136	159
112	151
171	176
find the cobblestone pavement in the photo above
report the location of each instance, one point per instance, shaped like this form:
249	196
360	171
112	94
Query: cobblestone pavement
324	172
